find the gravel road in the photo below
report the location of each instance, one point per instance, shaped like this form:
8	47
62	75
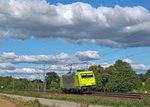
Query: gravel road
49	102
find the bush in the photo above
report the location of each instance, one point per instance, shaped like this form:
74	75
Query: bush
34	103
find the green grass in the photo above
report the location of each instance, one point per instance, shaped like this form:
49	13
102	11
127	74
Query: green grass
34	103
87	99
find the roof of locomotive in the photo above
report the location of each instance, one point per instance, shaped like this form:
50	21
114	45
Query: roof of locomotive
78	72
85	71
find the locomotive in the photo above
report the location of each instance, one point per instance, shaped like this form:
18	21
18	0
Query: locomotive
78	82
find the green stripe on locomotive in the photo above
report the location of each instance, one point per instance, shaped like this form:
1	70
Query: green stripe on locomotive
77	80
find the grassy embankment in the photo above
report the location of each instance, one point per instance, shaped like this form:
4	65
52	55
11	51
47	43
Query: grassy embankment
87	99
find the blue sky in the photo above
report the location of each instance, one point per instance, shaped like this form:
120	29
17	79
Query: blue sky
99	31
110	3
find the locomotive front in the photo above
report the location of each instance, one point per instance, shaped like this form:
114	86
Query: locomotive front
87	80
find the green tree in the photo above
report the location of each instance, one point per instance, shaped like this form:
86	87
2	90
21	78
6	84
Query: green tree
112	73
51	78
5	82
142	77
39	84
119	77
147	74
12	83
127	79
147	84
98	71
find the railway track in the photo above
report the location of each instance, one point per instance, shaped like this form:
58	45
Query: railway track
120	95
103	94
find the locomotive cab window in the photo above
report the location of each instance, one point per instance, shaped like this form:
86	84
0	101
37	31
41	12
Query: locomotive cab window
83	75
89	75
86	75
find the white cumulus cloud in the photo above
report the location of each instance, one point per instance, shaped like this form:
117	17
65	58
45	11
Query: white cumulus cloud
140	68
87	55
63	56
13	58
77	22
7	66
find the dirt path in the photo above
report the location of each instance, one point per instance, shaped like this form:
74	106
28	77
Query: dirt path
50	102
6	103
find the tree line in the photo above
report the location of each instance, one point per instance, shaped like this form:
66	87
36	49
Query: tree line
9	82
119	77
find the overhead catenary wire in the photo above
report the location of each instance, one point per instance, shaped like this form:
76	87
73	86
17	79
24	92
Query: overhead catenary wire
130	55
120	49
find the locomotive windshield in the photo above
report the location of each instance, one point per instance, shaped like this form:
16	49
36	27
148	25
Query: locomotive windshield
89	75
86	75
